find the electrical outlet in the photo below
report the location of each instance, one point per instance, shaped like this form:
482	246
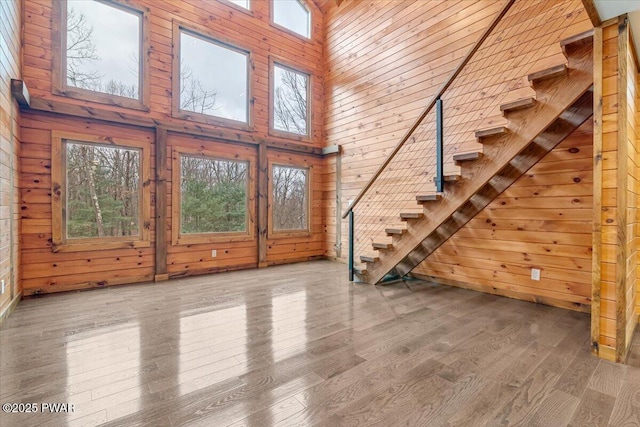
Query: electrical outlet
214	253
535	274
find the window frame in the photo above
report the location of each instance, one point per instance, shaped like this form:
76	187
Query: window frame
59	60
60	241
208	36
177	237
271	232
248	11
289	31
273	62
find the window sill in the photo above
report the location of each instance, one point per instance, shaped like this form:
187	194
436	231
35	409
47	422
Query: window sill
288	233
99	245
212	120
197	239
101	98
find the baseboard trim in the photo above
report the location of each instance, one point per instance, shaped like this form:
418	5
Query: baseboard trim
583	308
12	305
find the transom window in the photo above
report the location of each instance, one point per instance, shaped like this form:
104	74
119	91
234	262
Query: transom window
213	195
290	198
213	78
102	49
290	109
292	15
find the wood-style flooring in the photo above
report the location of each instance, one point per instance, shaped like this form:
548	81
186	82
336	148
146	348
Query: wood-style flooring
300	345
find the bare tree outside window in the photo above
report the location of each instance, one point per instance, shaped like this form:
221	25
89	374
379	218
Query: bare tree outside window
102	191
213	195
193	95
290	198
213	78
290	113
99	36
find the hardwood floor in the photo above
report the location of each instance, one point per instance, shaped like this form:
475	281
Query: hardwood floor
300	345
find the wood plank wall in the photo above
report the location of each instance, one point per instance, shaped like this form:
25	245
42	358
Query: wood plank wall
385	60
542	221
10	67
619	237
45	271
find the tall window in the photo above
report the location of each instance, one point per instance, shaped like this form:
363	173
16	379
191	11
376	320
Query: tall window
293	15
100	51
213	79
213	195
290	198
102	191
98	191
290	110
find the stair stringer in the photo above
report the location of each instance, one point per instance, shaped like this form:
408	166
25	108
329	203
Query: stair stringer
563	105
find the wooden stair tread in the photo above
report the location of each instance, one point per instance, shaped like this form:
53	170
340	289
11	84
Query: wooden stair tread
467	157
395	231
549	73
381	245
410	215
518	104
369	258
532	135
428	198
498	130
450	178
577	41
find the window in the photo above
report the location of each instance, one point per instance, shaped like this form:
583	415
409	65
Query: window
290	109
214	81
242	3
100	53
99	192
213	195
289	198
292	15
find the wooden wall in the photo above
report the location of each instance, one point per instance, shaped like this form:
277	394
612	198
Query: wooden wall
10	67
542	221
251	30
45	271
616	213
386	59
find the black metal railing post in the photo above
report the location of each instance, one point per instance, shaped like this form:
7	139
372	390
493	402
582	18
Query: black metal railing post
351	231
439	148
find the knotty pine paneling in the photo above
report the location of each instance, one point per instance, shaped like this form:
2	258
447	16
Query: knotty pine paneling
251	30
50	272
10	67
525	228
44	271
283	248
386	59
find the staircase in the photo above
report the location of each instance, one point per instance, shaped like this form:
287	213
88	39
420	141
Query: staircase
534	125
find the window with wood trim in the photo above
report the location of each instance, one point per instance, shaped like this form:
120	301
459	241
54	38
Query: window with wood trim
100	193
100	53
214	197
245	4
213	81
292	15
290	100
289	204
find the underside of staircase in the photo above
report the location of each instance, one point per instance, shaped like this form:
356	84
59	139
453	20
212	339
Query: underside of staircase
535	125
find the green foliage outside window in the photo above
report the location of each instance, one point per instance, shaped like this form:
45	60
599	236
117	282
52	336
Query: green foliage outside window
213	195
102	191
